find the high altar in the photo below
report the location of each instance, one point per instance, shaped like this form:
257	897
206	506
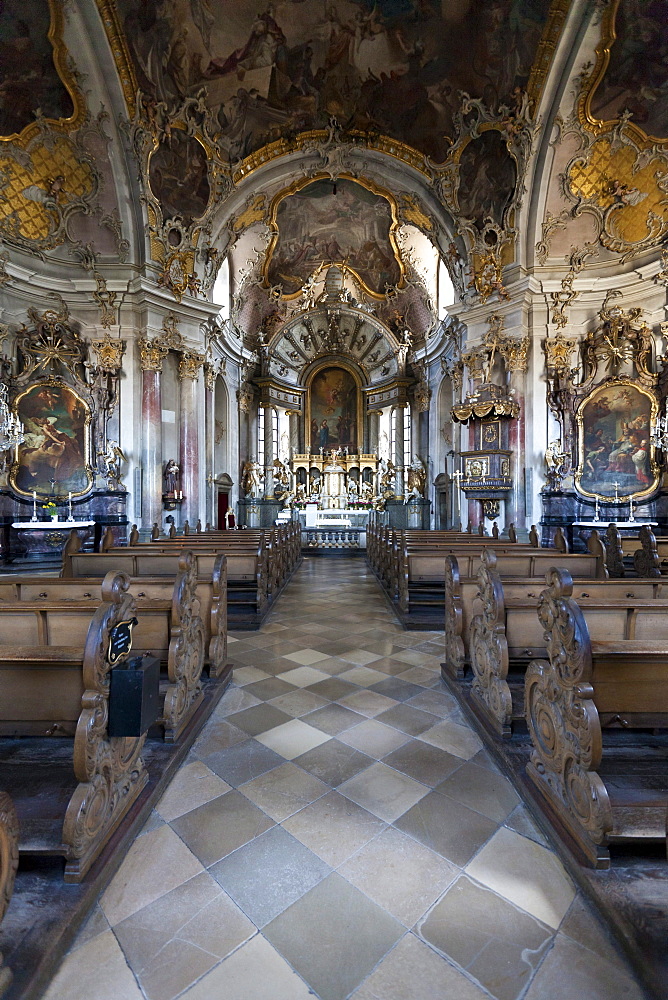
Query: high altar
337	481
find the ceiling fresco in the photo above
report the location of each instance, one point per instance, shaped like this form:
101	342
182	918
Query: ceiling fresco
178	177
340	222
635	78
487	178
28	77
394	67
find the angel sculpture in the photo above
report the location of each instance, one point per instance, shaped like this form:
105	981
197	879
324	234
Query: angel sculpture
555	463
111	461
417	479
388	479
281	474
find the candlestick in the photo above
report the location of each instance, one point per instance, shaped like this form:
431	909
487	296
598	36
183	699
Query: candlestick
34	506
631	517
70	518
596	513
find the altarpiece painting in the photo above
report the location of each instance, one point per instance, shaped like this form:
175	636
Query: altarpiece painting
615	454
333	410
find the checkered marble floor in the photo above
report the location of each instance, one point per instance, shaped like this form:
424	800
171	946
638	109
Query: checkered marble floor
339	831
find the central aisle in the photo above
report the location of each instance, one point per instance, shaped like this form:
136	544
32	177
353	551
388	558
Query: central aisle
339	831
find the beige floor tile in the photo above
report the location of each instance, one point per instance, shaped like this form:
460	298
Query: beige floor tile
572	971
399	874
192	786
384	792
293	738
373	738
360	657
156	863
254	972
303	676
367	703
248	675
174	941
284	791
97	969
525	873
458	740
333	827
299	702
235	700
424	676
412	971
218	734
306	657
364	676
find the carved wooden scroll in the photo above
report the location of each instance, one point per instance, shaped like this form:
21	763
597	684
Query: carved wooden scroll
455	655
646	560
613	551
512	533
533	537
110	772
560	543
9	862
134	536
218	640
488	648
186	651
563	721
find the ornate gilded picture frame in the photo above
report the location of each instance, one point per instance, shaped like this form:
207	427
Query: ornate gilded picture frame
334	409
57	445
615	455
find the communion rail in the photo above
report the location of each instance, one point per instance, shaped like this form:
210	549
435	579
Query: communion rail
332	539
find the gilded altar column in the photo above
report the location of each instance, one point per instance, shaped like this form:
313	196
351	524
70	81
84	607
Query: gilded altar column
190	364
151	354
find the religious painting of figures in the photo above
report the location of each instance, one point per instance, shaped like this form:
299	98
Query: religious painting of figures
487	178
28	77
178	177
636	78
333	410
394	67
55	456
615	453
333	222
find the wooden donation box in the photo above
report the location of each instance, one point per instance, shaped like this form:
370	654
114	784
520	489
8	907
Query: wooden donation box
134	685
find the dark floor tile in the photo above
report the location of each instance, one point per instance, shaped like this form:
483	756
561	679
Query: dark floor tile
334	762
423	762
243	762
333	688
481	789
260	718
395	688
269	874
334	919
269	688
218	827
333	719
447	827
412	721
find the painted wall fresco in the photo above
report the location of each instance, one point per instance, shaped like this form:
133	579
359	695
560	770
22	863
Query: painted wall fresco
395	66
487	177
333	410
178	177
56	442
317	226
28	77
636	78
614	442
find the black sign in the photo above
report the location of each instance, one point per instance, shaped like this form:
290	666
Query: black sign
120	640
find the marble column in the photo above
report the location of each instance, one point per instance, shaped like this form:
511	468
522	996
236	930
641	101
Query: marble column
295	444
151	357
399	419
190	364
268	451
374	432
210	512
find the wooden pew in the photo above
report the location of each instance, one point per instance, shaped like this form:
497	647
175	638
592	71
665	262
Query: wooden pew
9	862
57	612
506	634
643	553
247	597
522	571
591	794
46	685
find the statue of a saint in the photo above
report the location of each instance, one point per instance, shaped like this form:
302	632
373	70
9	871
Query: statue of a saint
251	478
417	478
171	476
111	459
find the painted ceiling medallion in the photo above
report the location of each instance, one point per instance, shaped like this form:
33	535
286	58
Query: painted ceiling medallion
318	221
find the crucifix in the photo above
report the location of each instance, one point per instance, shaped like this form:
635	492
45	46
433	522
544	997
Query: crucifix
616	485
53	485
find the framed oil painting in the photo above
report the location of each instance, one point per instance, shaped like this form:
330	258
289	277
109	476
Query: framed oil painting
333	410
55	457
615	454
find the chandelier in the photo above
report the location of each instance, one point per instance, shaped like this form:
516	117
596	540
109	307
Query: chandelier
11	428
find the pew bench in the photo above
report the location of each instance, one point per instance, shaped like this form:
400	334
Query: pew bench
597	787
70	795
506	634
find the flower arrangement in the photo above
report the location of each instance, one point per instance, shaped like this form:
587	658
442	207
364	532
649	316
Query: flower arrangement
50	508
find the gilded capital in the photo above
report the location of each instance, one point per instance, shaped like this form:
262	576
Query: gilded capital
151	354
190	363
109	353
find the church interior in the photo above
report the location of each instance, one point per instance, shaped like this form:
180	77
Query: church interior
333	499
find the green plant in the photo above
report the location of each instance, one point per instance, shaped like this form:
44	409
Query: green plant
50	508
